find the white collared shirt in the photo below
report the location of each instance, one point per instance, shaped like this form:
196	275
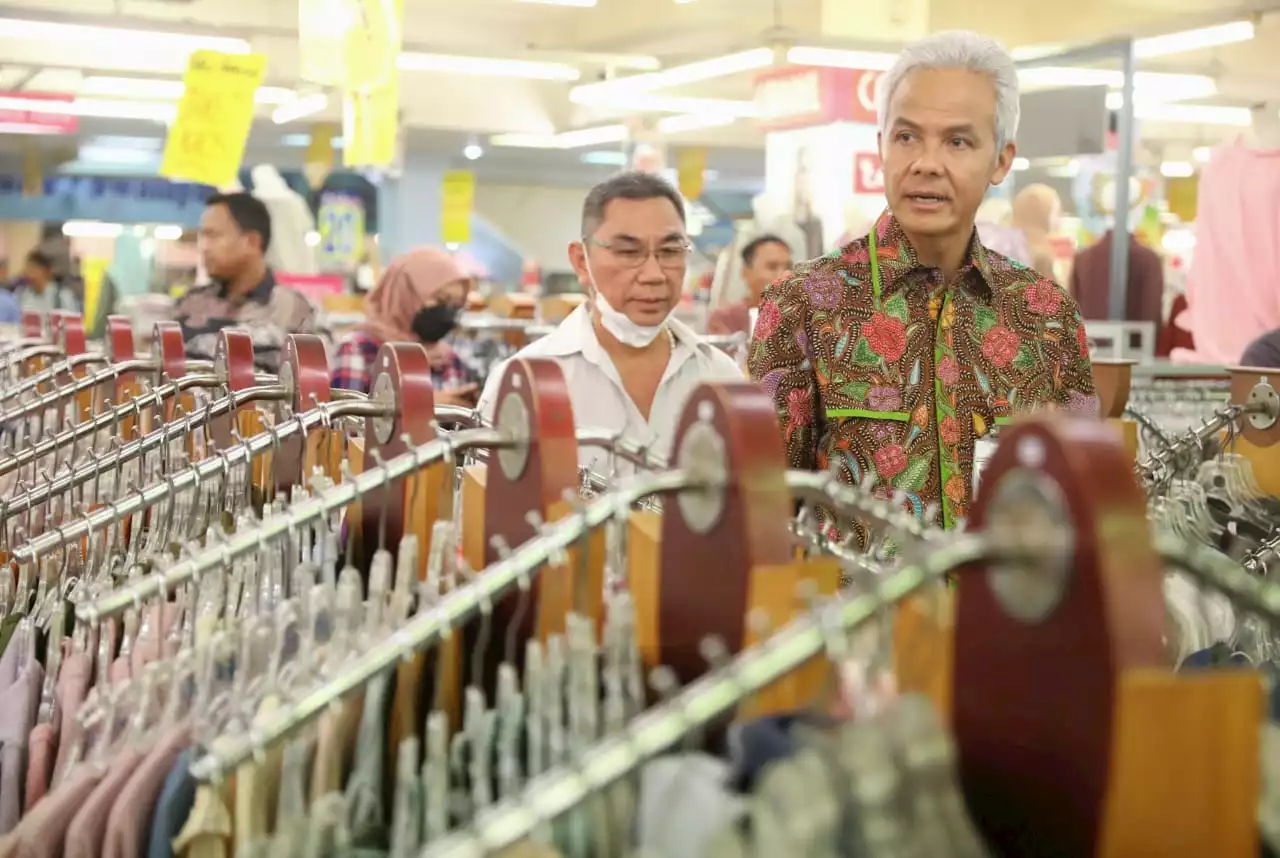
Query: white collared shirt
596	392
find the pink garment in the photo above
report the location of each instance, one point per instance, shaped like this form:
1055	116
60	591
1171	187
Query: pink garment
42	832
19	703
41	753
1233	284
128	825
73	687
89	825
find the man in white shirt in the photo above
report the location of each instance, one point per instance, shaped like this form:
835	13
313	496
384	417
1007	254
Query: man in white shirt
629	365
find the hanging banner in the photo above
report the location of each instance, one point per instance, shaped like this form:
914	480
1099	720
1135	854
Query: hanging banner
322	36
372	44
318	161
370	128
340	222
32	173
691	169
206	142
92	271
458	196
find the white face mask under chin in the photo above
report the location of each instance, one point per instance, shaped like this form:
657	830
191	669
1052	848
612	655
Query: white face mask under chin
626	331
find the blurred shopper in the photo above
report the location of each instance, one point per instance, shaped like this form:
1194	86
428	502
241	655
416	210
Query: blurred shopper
38	289
764	260
417	300
893	361
1264	352
629	364
235	232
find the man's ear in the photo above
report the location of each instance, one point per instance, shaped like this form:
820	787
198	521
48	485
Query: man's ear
578	259
1004	162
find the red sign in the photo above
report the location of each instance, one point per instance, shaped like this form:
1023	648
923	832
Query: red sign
37	113
805	96
868	173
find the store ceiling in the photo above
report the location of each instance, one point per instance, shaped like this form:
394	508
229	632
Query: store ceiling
617	36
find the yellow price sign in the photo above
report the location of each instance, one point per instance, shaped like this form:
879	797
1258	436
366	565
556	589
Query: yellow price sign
457	198
206	142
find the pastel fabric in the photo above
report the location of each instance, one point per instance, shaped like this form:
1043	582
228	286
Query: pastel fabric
1231	283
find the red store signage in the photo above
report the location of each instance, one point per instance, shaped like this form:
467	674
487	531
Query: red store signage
868	173
37	113
806	96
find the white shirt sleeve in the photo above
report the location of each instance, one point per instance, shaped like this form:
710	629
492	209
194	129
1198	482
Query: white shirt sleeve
488	403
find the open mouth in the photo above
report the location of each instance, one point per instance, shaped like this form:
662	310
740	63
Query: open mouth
927	199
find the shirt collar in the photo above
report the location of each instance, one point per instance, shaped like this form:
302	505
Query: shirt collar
260	294
898	257
575	335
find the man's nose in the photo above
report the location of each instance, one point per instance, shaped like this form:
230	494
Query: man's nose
651	270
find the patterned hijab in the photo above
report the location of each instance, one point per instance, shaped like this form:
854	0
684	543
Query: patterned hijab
408	283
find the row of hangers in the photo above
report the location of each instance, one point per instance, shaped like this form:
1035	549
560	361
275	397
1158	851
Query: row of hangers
719	563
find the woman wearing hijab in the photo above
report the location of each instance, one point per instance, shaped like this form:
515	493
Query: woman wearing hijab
417	300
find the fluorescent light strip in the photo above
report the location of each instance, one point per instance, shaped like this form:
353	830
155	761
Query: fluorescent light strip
694	122
120	39
1194	40
91	229
92	107
1177	169
836	58
306	106
1195	114
565	140
711	69
1166	87
167	90
487	67
645	103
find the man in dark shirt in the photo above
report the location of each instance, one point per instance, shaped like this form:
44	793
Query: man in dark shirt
235	232
1264	352
764	260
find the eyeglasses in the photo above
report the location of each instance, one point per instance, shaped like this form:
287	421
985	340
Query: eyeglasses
670	254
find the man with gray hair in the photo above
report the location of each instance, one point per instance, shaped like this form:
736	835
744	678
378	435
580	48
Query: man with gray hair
895	358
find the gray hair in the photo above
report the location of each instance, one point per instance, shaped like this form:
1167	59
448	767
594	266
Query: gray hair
959	49
630	185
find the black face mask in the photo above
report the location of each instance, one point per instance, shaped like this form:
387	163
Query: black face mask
433	324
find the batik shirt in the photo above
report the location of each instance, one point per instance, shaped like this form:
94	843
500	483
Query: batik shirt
269	314
886	372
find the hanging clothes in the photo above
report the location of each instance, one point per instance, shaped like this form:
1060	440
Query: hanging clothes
1231	284
1091	282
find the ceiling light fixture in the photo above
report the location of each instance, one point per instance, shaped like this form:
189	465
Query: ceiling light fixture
694	122
91	229
578	139
605	158
93	107
487	67
1020	164
1194	40
306	106
1156	85
840	59
161	89
1195	114
1177	169
703	70
120	39
1201	154
640	102
473	151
